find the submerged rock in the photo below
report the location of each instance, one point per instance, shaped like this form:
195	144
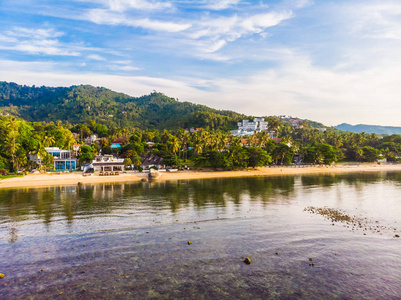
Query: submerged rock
1	275
189	242
247	261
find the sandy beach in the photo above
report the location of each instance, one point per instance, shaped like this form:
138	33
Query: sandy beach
55	179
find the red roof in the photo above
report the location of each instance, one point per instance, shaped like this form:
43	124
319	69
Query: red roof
119	141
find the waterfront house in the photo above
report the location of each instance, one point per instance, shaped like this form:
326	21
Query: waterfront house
63	159
108	163
152	161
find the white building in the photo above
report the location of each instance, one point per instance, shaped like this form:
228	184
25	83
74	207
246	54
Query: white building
90	140
246	127
108	163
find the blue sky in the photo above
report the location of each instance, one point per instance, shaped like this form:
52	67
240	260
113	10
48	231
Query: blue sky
329	61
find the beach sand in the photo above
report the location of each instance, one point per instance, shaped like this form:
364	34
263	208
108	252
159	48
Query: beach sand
55	179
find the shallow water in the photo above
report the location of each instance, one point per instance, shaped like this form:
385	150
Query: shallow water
136	239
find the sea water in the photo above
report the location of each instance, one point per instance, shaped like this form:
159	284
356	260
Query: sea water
308	237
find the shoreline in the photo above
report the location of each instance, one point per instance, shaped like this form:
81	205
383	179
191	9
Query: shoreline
68	179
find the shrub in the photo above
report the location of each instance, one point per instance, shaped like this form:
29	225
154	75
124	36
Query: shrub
3	172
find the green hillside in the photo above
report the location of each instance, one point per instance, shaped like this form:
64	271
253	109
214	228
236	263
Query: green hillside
80	104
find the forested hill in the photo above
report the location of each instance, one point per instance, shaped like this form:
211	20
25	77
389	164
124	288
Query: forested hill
80	104
369	128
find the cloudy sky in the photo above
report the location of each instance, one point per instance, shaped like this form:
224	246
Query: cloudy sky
330	61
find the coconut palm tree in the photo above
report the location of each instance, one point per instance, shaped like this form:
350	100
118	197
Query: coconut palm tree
10	147
12	125
175	145
48	141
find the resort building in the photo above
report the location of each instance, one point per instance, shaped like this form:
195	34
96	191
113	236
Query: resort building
108	163
63	159
246	127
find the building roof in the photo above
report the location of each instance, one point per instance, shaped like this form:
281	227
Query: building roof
119	141
151	160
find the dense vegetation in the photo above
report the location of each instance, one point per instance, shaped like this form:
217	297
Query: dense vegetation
60	117
200	149
81	104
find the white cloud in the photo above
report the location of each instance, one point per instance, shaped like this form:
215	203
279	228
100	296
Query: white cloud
211	34
234	27
96	57
35	33
102	16
123	5
378	20
217	46
36	41
296	88
303	3
221	4
124	68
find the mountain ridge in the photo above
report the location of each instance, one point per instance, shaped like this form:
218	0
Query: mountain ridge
378	129
79	104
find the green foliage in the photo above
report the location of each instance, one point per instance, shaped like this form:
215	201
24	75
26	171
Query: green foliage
328	153
85	154
258	157
370	154
173	161
127	162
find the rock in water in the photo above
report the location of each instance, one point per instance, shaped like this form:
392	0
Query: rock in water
189	242
247	261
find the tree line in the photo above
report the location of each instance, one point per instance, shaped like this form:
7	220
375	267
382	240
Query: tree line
204	148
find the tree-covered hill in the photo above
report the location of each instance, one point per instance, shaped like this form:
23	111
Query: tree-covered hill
80	104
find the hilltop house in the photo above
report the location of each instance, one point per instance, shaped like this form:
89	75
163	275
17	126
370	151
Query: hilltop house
63	159
246	127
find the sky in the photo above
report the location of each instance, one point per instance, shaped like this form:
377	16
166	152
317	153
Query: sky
328	61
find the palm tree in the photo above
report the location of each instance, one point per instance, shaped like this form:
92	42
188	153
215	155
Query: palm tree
252	140
198	148
175	145
263	138
10	147
48	141
136	160
12	124
69	141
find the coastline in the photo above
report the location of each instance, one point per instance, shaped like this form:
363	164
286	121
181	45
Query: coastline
54	179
